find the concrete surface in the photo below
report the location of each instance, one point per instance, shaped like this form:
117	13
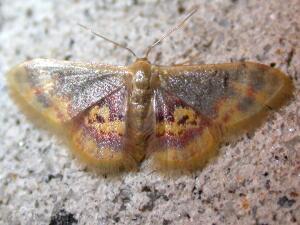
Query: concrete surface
253	181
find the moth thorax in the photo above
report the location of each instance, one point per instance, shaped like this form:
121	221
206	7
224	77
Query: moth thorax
141	80
141	87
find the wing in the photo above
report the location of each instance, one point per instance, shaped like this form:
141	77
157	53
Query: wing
183	137
97	134
60	90
87	101
234	96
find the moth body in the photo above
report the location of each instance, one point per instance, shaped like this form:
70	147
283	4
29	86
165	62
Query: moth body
138	124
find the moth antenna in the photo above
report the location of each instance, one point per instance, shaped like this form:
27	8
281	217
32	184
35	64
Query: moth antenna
107	39
178	26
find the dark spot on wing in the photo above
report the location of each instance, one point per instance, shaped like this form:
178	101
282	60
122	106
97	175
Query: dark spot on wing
46	102
183	120
100	118
225	80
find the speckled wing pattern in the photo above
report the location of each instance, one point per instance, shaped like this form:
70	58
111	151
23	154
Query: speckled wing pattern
198	107
183	137
98	134
59	90
87	101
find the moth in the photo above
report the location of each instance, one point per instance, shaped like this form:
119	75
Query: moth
114	117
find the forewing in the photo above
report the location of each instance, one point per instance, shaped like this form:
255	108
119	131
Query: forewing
234	96
183	137
60	90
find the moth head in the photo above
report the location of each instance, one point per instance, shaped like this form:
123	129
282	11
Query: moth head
141	64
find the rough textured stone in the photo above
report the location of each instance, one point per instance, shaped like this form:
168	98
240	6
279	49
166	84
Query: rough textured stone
252	181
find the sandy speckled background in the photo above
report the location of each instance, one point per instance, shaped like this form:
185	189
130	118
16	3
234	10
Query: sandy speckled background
255	180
